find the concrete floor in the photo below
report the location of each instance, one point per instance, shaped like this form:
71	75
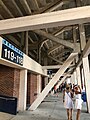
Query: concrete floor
50	109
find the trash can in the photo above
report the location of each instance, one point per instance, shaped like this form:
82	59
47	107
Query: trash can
8	104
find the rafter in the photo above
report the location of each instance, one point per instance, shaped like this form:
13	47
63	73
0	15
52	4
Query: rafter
33	46
46	20
56	33
1	17
60	62
55	39
35	3
53	48
56	66
60	3
48	7
51	67
5	7
53	6
78	3
10	37
11	15
26	6
18	9
86	50
62	52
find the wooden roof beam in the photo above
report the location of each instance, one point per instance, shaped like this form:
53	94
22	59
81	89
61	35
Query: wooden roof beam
60	62
26	6
54	38
86	50
17	8
5	7
46	20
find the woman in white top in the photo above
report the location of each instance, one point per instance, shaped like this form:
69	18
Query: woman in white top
78	103
68	103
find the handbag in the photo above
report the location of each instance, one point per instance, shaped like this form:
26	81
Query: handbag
72	98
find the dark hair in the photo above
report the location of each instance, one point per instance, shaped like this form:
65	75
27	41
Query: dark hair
67	88
76	86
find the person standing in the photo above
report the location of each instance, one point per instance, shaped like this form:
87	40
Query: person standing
78	102
55	90
68	103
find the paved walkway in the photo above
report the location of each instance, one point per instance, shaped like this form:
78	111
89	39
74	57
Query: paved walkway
50	109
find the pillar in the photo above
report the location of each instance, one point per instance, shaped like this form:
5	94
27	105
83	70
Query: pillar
71	79
75	78
87	80
46	78
83	83
78	76
26	42
85	66
22	41
22	90
38	84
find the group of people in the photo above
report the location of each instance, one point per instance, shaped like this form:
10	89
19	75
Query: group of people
71	95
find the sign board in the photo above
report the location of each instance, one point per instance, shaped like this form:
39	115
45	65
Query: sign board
11	53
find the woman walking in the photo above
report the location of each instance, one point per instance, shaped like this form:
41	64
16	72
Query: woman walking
78	103
68	103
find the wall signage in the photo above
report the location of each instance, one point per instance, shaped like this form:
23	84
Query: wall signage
11	53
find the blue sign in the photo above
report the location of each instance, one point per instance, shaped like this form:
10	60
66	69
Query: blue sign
11	53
